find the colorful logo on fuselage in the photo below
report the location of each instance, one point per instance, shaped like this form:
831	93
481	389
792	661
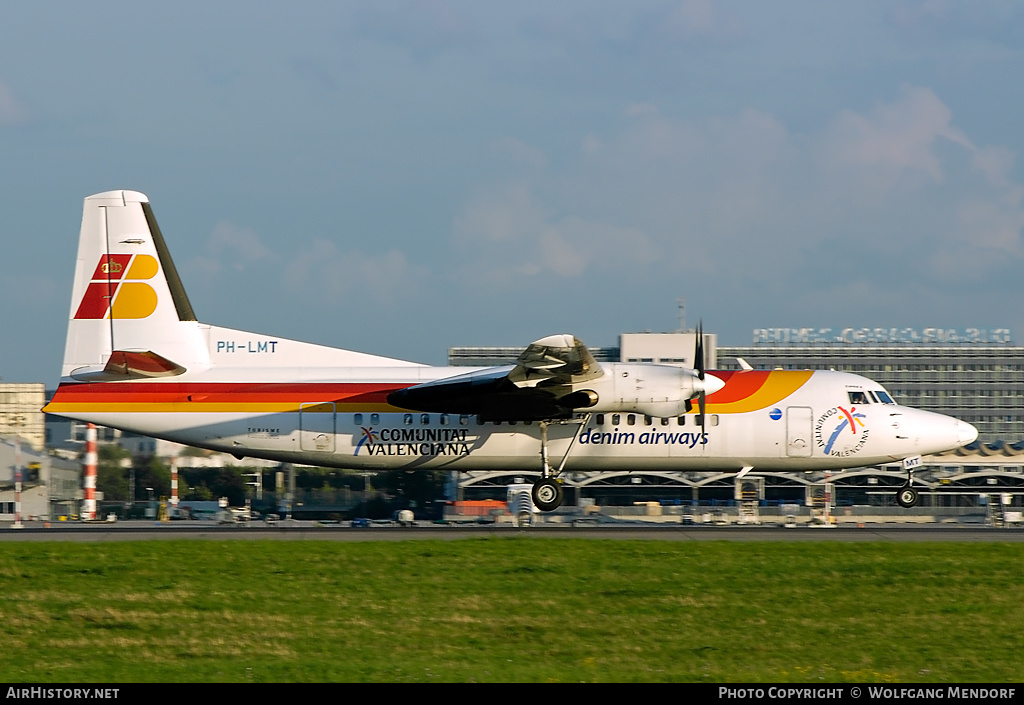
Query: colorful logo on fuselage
368	437
840	432
117	287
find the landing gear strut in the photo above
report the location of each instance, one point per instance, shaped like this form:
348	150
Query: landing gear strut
547	492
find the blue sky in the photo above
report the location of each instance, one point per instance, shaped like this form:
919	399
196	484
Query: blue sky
400	177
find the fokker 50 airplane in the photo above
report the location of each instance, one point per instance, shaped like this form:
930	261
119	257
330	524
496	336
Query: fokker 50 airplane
137	359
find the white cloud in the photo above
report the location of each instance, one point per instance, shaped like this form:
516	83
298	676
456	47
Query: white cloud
11	109
996	163
693	18
744	202
233	247
324	271
506	233
519	152
895	141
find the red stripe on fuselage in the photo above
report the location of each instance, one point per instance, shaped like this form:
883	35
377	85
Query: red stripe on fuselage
214	392
739	384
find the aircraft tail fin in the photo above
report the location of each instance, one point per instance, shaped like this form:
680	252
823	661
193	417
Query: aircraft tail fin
130	316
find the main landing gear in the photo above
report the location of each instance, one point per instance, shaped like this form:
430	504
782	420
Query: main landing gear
547	492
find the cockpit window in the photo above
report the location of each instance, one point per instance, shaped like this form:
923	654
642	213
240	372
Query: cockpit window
884	397
858	398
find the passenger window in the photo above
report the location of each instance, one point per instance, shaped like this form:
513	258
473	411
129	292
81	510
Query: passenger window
698	420
407	419
358	419
599	420
682	420
374	419
443	419
858	398
616	419
630	419
713	420
463	419
425	419
648	420
664	421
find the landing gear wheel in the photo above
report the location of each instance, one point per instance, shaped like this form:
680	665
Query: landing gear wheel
547	494
907	497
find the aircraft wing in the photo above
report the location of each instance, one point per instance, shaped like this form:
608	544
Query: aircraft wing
539	386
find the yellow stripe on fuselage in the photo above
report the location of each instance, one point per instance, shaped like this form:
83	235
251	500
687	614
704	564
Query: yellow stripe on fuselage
779	385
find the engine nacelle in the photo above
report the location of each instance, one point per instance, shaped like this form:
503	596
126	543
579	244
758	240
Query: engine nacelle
582	399
660	391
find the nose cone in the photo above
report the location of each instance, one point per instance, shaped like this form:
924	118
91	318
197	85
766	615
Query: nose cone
966	432
935	433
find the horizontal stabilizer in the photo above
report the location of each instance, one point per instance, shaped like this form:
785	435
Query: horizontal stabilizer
127	364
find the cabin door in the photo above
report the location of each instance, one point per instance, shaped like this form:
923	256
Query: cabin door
798	432
316	426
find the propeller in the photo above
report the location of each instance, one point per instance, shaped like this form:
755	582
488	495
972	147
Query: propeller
699	366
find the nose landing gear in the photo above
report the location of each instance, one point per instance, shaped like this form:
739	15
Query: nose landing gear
907	496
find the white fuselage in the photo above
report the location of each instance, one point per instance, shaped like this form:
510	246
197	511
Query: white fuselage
344	422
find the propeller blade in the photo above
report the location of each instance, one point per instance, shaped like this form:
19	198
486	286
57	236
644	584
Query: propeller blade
699	364
699	353
700	407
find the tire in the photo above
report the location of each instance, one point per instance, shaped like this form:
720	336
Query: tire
547	494
907	497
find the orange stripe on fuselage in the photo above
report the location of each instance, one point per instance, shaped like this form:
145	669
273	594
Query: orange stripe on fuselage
752	390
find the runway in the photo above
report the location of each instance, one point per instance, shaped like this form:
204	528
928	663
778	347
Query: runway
307	531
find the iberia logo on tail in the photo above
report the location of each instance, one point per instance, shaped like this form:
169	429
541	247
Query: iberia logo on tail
118	287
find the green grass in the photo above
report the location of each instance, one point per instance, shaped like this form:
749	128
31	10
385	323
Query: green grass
511	609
